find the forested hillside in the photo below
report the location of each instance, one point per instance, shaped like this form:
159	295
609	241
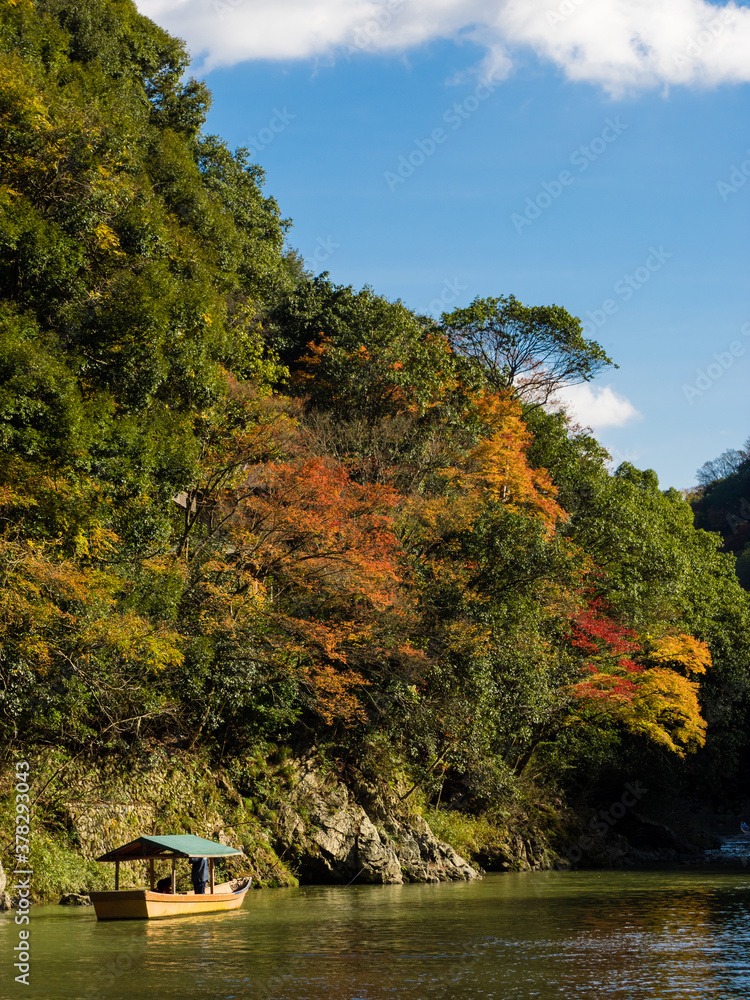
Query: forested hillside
246	508
722	503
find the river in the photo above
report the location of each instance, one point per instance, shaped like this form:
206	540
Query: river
567	935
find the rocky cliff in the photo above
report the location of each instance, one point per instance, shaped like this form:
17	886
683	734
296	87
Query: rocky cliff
335	833
305	824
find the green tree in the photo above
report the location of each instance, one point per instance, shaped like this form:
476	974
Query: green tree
534	350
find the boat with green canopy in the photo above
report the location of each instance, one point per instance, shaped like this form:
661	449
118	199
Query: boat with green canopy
146	904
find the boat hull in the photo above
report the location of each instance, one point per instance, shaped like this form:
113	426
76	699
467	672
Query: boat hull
143	904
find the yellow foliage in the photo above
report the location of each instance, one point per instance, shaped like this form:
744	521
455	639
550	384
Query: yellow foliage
17	95
107	240
427	521
692	655
499	465
467	638
53	609
658	703
666	709
134	639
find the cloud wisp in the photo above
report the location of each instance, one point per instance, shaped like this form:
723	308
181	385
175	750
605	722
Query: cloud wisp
597	407
619	45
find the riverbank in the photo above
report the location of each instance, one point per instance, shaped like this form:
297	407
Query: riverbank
304	820
294	820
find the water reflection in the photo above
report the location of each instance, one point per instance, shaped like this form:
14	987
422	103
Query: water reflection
616	935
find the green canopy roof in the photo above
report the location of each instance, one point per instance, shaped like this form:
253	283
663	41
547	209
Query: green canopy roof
178	846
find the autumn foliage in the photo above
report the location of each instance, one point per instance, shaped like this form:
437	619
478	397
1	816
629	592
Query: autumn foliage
499	464
628	681
242	506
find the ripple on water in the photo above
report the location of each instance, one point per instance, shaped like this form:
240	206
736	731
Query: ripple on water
614	935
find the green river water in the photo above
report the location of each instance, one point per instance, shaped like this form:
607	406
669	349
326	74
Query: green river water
625	935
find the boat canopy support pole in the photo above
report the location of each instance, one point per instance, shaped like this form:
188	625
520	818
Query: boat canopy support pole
151	872
211	873
174	880
117	874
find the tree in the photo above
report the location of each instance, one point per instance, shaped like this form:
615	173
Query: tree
659	577
534	351
641	684
725	465
499	463
358	354
291	559
493	569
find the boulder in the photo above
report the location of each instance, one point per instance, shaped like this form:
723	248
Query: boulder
74	899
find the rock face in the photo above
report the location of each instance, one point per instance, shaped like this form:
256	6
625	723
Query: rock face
323	829
112	805
652	842
5	901
520	853
74	899
337	834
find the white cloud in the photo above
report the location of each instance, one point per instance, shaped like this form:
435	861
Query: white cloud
616	44
597	407
623	44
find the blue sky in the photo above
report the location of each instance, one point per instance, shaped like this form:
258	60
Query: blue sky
595	162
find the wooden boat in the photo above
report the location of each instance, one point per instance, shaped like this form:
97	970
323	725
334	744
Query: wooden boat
142	904
147	904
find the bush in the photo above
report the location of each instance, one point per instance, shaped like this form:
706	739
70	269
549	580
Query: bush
58	868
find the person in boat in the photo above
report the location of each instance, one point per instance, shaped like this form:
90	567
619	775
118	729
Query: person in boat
164	884
199	875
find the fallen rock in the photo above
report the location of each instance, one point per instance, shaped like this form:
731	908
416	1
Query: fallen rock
74	899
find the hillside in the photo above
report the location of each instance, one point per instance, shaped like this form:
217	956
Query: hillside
722	504
249	515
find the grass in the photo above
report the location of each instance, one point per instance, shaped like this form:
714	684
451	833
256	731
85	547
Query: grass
471	836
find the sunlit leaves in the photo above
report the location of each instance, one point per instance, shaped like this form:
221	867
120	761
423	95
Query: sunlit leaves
500	465
240	502
41	412
659	704
679	652
641	684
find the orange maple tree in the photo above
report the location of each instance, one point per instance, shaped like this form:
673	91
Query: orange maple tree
499	465
315	551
